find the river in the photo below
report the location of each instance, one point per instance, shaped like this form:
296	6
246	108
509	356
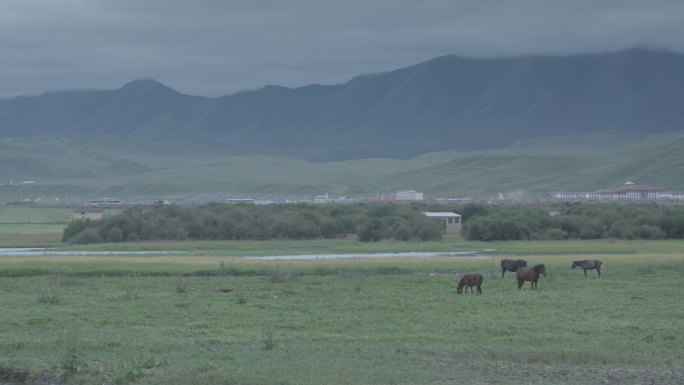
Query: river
29	252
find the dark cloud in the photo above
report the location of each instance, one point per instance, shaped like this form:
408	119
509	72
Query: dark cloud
211	47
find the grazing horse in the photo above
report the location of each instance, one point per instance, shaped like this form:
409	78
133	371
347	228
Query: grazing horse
588	264
470	280
531	274
512	265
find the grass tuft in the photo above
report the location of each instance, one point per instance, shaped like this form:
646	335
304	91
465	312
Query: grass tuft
48	296
181	284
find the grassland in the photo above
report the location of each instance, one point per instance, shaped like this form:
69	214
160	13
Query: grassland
27	226
158	319
69	168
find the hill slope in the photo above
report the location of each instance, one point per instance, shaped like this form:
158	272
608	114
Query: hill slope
78	168
446	103
118	112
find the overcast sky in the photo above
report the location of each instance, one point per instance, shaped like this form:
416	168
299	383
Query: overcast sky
214	47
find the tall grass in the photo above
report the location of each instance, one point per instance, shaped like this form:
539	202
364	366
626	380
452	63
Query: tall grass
354	322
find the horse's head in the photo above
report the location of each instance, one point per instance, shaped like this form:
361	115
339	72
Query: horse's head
541	269
459	290
575	264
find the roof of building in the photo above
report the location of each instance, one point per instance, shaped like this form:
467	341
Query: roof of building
441	214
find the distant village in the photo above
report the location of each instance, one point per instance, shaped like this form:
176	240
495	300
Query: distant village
628	192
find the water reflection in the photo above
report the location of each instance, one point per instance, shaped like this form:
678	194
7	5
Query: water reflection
480	254
30	252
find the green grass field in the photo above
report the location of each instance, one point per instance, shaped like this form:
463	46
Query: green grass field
137	319
79	168
24	226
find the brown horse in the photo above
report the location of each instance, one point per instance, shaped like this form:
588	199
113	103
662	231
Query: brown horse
512	265
588	264
532	275
470	280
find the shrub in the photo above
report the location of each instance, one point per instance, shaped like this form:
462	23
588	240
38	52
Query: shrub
115	234
49	297
90	235
372	231
648	232
556	234
592	229
74	228
181	284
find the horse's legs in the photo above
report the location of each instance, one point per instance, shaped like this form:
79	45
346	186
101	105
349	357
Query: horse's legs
479	290
520	283
598	269
503	271
585	271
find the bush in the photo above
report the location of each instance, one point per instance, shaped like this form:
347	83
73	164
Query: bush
556	234
86	236
371	231
74	228
622	230
592	229
648	232
115	234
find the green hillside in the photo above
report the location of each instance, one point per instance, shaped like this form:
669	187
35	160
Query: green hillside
71	168
445	103
577	163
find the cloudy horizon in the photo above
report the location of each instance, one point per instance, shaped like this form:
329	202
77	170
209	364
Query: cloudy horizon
212	48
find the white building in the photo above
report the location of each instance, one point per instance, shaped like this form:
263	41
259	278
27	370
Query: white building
629	191
451	222
409	195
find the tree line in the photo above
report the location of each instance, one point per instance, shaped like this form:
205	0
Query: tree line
376	222
573	221
221	221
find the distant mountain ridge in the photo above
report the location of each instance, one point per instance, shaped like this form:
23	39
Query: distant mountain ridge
449	102
118	112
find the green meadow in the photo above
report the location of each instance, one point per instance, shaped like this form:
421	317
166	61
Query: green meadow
159	319
78	168
23	226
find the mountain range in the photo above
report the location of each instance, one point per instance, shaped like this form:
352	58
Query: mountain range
450	126
447	103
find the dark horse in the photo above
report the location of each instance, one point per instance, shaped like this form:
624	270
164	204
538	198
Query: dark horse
588	264
531	274
511	265
470	280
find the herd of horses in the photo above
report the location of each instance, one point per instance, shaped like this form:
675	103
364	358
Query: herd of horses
522	273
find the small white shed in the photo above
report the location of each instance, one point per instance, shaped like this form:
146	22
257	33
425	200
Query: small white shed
451	221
